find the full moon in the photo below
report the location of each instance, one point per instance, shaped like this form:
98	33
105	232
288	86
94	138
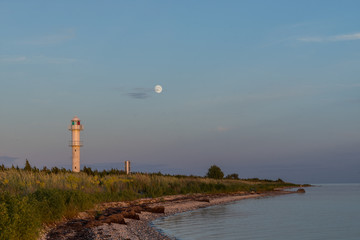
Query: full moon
158	89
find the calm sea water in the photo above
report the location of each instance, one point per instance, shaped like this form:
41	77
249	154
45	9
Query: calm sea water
330	211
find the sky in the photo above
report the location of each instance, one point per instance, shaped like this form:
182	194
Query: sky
266	89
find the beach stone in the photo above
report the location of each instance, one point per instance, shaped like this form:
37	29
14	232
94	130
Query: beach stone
131	214
137	209
110	211
117	218
158	209
114	218
203	200
94	223
85	215
300	190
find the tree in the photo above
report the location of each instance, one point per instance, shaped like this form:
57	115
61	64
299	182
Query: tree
234	176
35	169
88	171
55	170
215	172
45	170
27	166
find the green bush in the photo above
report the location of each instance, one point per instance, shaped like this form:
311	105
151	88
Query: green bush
51	202
215	172
234	176
54	204
18	218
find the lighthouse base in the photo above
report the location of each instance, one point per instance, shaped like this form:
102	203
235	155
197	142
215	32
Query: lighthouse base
76	159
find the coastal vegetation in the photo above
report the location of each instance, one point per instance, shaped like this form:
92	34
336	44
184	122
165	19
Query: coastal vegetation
30	198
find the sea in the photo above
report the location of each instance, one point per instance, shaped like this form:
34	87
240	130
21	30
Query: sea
324	212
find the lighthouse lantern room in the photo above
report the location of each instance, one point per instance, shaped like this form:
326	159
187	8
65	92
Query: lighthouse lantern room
75	143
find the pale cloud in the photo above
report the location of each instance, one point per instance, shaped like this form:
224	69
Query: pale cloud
12	59
346	37
311	39
335	38
53	60
50	38
36	60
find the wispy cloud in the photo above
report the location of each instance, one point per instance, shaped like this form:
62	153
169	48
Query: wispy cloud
53	60
310	39
335	38
36	60
50	39
136	93
140	93
12	59
346	37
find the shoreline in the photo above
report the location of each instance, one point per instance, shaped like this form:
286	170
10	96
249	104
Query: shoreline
143	229
138	215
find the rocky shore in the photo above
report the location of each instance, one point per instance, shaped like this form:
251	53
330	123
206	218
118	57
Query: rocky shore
131	220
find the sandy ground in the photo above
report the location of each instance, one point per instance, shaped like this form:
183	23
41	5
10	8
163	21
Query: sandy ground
141	229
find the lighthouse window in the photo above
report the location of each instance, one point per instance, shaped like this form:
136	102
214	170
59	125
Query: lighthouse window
78	123
73	122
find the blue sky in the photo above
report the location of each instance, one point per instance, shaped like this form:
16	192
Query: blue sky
266	89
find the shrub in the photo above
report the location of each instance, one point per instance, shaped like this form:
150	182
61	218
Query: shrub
18	218
234	176
215	172
51	202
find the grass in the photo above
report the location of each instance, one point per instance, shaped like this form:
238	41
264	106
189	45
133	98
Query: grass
29	199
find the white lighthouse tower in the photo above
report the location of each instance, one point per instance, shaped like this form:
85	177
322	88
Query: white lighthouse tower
75	143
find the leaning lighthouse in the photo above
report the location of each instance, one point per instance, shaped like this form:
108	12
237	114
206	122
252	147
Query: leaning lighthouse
75	143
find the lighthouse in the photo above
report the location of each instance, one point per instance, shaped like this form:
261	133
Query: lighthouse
75	143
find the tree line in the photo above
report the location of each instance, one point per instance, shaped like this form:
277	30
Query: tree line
213	172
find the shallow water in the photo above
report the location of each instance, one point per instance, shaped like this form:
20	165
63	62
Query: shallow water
330	212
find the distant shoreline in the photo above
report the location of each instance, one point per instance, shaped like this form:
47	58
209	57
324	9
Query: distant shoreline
142	228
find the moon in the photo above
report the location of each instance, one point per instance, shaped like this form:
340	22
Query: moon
158	89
